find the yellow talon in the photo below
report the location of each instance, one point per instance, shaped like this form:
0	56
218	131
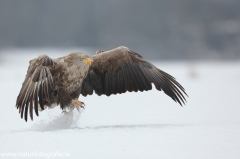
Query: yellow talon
78	104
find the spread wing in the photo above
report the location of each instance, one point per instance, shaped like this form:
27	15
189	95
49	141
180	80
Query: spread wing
37	86
120	70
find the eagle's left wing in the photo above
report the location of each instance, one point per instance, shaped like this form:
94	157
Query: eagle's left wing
120	70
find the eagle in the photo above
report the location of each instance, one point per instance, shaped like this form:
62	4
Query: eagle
50	82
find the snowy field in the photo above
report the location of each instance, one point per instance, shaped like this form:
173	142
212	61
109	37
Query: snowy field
132	125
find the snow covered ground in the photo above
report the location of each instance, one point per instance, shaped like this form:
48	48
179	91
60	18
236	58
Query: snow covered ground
132	125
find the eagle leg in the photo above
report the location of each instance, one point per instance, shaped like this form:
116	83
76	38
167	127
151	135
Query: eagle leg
67	102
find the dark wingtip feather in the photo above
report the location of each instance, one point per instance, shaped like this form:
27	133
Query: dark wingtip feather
36	100
31	108
26	111
41	95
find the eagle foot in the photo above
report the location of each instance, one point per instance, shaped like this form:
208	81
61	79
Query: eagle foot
77	104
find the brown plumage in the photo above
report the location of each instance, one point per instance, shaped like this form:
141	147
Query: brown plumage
60	81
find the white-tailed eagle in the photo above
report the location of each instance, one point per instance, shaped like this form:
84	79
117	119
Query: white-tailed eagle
52	82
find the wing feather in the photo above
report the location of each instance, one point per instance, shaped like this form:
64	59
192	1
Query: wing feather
130	79
126	79
31	108
41	94
136	79
36	98
144	82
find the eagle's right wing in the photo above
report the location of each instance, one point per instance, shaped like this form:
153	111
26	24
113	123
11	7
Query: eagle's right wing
121	70
37	86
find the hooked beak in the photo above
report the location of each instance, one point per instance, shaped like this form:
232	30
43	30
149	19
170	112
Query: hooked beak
88	61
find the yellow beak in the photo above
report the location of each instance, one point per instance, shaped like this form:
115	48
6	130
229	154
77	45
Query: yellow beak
88	61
